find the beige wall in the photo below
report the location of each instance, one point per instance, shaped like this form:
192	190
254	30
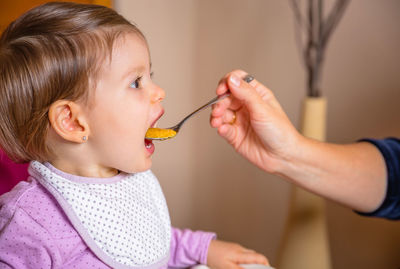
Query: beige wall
194	42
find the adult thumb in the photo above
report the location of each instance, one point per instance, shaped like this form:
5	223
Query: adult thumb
246	93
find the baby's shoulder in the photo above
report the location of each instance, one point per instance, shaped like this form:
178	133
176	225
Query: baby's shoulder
31	220
30	201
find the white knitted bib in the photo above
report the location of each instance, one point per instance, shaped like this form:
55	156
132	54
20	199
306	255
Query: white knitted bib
124	220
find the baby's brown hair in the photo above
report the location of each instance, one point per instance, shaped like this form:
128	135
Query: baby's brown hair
50	53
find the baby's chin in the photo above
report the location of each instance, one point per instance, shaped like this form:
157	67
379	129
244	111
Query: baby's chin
136	168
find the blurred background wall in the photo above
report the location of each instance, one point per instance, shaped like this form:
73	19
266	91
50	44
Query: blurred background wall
195	42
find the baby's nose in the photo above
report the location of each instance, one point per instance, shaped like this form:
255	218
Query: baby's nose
158	94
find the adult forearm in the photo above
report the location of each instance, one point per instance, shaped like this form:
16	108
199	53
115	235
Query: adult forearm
353	174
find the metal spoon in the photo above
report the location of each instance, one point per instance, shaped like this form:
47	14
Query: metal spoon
167	133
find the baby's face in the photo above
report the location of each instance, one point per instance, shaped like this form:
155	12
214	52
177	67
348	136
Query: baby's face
126	103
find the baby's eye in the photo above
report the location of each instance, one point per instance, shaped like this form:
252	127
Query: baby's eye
135	84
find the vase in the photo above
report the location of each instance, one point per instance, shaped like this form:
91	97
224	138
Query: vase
305	241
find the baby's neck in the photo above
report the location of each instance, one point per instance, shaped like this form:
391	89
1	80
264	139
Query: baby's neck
84	170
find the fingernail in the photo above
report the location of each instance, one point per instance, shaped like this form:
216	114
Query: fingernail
235	80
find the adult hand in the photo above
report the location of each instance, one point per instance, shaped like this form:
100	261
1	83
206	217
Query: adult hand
260	131
353	174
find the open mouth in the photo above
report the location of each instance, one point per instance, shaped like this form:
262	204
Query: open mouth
147	142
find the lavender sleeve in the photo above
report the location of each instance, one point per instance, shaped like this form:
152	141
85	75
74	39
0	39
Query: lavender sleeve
34	233
25	244
189	247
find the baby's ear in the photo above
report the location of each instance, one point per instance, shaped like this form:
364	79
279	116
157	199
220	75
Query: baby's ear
68	121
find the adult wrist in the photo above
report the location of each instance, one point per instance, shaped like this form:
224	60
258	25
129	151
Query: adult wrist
290	164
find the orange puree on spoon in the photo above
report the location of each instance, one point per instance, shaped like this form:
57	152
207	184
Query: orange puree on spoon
158	133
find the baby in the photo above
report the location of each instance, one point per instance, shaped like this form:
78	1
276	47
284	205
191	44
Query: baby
76	99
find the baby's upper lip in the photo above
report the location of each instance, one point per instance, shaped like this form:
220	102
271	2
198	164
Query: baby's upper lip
158	117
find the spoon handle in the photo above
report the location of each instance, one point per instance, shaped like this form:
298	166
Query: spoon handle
211	102
247	78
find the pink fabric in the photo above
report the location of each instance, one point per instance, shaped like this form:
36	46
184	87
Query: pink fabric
11	173
35	233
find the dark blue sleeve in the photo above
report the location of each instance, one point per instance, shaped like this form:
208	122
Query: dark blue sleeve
390	207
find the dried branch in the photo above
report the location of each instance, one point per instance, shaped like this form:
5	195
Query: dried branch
333	19
299	18
317	32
